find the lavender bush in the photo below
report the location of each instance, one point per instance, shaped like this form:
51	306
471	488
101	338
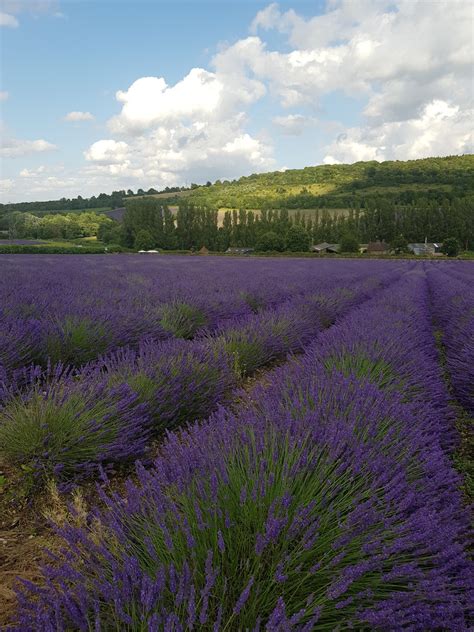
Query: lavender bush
328	501
73	309
175	381
453	312
66	428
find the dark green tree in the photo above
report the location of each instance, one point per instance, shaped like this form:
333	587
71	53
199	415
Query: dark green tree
399	244
349	243
297	239
451	247
144	241
270	241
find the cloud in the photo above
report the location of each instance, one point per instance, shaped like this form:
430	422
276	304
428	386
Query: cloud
183	151
200	96
193	130
293	124
6	185
14	148
440	128
33	7
150	101
409	63
107	152
399	54
79	116
8	20
32	173
3	95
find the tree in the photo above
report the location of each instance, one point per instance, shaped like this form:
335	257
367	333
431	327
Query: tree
145	213
349	243
270	241
144	241
110	233
297	239
399	244
451	247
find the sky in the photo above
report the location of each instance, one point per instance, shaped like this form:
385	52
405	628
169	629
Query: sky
103	95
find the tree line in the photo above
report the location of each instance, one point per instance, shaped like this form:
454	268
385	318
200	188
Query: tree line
56	226
148	224
116	199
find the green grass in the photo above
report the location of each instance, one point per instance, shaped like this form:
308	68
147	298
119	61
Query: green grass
181	319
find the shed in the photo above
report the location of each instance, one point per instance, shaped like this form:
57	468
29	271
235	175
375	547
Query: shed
204	251
424	248
239	251
320	247
378	248
333	248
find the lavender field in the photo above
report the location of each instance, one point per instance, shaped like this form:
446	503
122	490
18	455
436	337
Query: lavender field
272	444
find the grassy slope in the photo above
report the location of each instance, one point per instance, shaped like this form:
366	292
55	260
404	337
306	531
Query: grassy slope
338	184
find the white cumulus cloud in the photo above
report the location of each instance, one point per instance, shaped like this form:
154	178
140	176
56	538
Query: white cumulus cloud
78	116
32	173
107	152
8	20
404	57
6	185
193	130
14	147
441	128
150	101
293	124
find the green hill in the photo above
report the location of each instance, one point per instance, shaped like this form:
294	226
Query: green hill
341	186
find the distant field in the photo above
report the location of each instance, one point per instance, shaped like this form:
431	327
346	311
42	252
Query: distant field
100	210
180	194
21	242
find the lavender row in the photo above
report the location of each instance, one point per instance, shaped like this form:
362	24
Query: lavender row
68	423
71	309
453	313
393	348
328	502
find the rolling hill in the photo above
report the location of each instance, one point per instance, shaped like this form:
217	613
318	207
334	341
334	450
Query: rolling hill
340	186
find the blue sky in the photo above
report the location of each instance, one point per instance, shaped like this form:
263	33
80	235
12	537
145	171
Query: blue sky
112	94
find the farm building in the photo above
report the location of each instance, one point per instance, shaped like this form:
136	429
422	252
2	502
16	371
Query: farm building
424	248
239	251
378	248
326	248
320	247
203	251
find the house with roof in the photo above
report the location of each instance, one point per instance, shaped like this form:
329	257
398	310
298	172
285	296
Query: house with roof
319	248
377	248
425	249
239	251
324	247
